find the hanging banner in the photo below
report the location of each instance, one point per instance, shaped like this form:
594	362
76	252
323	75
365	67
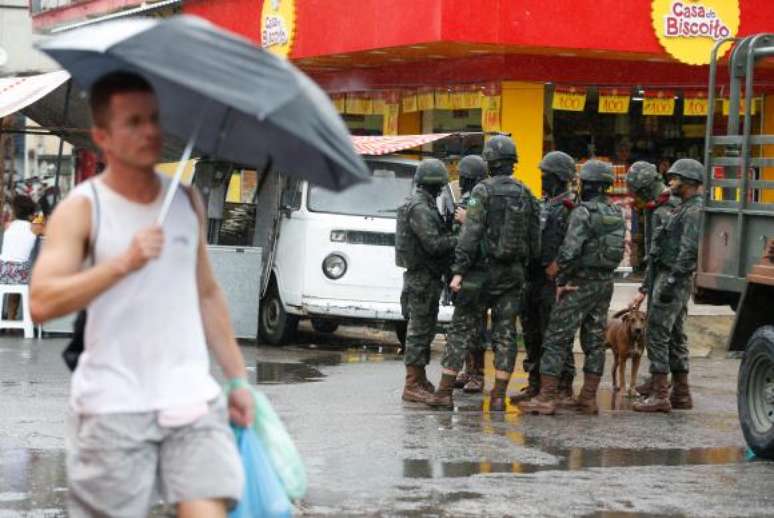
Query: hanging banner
756	105
278	26
569	99
409	102
490	112
390	124
425	99
379	102
659	103
340	102
613	100
472	98
458	98
695	104
688	29
442	99
359	104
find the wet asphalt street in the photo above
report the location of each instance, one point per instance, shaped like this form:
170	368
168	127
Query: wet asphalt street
370	454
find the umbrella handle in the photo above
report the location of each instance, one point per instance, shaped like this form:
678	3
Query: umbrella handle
178	174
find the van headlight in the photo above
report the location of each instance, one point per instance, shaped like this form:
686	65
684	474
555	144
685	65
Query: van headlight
334	266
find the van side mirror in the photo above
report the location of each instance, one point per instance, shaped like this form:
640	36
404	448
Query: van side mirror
290	201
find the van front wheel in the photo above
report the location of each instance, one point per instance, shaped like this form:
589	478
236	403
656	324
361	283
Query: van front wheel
275	325
755	395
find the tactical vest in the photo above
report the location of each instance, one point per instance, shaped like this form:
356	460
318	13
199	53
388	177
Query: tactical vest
668	239
605	249
507	218
554	216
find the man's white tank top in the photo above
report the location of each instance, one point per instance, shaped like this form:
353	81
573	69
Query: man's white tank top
145	348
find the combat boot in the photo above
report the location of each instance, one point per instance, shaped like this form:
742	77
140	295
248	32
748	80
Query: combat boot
424	382
497	395
463	377
645	389
475	384
586	402
658	400
565	398
680	398
443	396
545	402
413	391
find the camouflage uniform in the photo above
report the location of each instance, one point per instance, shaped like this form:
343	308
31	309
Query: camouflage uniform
541	290
674	253
499	283
429	245
590	226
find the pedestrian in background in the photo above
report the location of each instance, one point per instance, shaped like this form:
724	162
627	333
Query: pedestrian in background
590	253
423	245
146	416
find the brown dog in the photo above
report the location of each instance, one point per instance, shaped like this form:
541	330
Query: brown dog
625	335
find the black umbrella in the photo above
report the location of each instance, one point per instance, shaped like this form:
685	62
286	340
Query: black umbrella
222	94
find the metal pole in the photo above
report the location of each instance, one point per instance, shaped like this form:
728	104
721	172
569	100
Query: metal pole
61	141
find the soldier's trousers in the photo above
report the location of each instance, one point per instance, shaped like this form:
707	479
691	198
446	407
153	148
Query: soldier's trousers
585	308
666	340
423	293
535	314
465	330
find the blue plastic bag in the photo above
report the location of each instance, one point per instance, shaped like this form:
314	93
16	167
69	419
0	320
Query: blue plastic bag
280	447
263	495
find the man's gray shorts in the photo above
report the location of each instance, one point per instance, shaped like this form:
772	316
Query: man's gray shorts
118	465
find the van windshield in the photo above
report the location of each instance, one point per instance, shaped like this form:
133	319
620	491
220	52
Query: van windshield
390	184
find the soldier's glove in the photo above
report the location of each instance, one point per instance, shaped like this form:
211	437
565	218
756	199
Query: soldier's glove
668	292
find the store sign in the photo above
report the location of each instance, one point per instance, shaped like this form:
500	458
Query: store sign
425	100
409	102
339	102
569	99
688	29
278	26
614	101
442	99
756	104
660	103
695	104
359	104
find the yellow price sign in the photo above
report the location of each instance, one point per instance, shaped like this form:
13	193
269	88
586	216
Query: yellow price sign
569	100
278	26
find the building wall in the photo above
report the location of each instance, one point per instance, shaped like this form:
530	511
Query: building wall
17	38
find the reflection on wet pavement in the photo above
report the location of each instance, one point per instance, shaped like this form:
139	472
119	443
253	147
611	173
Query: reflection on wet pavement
576	459
274	372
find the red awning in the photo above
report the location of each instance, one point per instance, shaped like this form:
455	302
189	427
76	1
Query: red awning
387	145
16	93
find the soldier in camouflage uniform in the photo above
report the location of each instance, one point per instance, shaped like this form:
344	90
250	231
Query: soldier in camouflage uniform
674	253
472	170
423	246
646	185
500	234
557	173
590	253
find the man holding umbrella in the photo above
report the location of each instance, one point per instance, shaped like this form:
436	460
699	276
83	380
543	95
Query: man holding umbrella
146	415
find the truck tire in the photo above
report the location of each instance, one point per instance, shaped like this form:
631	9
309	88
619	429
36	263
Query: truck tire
322	325
755	394
401	327
275	325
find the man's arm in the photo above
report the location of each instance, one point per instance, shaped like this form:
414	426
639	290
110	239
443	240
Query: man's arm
685	264
217	325
58	286
472	232
423	223
578	231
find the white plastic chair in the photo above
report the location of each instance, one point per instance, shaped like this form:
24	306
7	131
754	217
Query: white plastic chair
26	322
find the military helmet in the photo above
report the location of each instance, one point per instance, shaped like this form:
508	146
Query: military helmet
597	171
641	176
431	171
559	163
689	169
500	147
473	167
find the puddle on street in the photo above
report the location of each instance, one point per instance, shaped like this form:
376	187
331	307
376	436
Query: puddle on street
576	459
273	372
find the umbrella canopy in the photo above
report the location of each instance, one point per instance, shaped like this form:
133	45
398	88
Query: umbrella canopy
249	105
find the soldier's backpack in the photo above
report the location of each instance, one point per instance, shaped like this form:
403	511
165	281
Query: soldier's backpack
507	221
605	249
404	238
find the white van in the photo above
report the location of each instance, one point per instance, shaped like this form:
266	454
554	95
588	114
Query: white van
331	256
